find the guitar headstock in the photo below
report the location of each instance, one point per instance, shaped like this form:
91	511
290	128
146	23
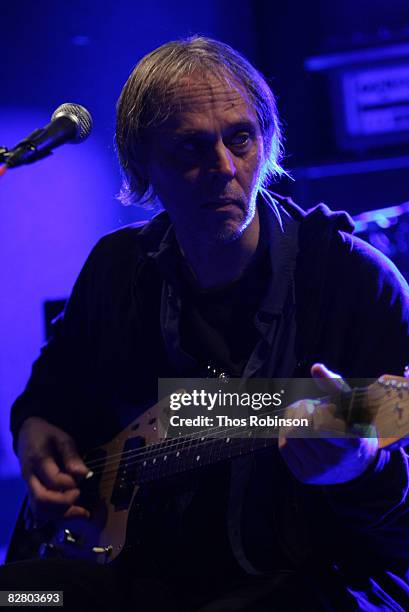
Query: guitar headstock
389	396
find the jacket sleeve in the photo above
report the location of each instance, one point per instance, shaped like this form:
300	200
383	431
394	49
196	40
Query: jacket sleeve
55	390
376	505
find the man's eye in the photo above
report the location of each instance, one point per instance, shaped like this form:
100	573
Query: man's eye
240	139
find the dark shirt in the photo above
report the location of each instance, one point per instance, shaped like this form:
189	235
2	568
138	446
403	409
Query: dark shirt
217	326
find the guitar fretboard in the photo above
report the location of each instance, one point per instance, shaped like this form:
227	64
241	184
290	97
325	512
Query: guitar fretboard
180	455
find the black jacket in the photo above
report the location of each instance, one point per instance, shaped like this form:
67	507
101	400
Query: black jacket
351	313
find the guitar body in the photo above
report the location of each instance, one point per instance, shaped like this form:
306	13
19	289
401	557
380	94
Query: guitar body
109	494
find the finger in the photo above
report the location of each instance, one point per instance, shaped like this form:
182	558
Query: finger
44	497
51	476
77	511
71	460
328	381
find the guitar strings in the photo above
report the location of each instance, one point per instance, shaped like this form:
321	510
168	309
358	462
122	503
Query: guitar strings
107	480
168	443
155	451
111	475
214	456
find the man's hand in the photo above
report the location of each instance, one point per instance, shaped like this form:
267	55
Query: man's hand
52	469
326	459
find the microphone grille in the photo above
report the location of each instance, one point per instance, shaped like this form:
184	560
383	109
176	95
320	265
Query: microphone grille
77	114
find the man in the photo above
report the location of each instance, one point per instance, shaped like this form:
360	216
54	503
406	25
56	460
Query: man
232	279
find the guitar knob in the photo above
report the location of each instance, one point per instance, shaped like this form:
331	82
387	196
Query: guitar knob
68	537
102	550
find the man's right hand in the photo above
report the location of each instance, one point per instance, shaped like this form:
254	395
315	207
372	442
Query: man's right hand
52	469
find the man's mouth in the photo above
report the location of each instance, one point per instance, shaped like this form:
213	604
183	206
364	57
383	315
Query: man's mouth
222	204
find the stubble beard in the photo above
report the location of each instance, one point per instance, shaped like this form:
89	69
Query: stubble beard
228	232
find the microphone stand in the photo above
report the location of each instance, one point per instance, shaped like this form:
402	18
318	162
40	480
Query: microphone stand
22	152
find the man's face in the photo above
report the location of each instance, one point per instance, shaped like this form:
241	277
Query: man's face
204	162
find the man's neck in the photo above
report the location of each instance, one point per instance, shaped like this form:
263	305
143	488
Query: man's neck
221	264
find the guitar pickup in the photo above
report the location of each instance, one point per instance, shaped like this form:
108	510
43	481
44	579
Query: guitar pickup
126	476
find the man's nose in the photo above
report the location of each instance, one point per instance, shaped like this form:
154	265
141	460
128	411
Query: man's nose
222	165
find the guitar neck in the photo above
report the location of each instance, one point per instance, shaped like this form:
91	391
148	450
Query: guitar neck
178	455
384	403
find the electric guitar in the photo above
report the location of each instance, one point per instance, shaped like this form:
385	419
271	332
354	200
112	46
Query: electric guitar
142	453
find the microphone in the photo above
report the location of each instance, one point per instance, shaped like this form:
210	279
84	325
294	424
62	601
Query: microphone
69	123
